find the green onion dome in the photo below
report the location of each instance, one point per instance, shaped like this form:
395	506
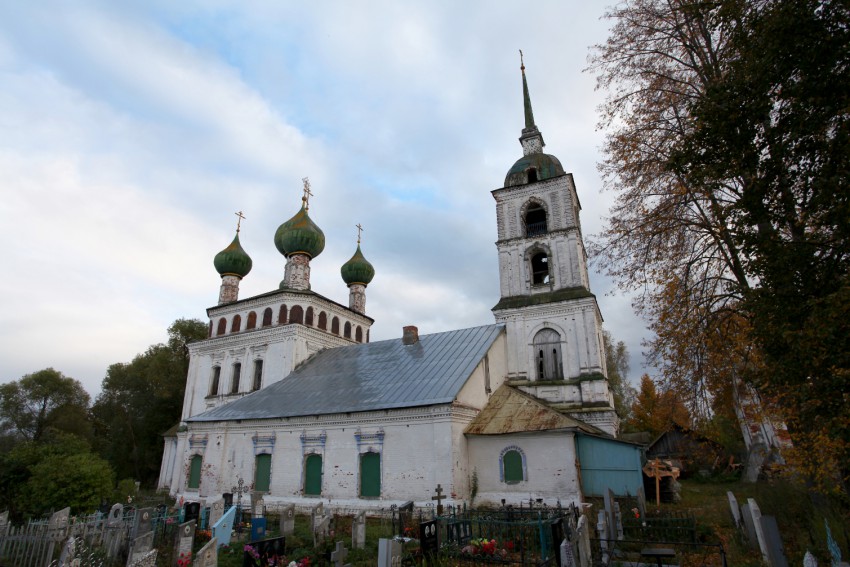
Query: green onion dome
357	270
300	235
544	166
233	260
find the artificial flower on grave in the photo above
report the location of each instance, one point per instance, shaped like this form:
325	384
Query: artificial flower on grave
252	551
484	546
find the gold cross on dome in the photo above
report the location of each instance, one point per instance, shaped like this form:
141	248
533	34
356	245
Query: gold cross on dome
359	231
307	192
239	221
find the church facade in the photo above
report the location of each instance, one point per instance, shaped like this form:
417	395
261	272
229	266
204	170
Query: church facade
289	395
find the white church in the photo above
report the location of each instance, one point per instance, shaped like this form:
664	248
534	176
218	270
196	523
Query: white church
289	395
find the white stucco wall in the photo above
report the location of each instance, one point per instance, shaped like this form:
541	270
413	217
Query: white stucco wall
550	467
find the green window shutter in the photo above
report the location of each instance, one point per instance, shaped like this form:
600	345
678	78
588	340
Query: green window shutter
195	472
512	461
370	475
262	472
313	475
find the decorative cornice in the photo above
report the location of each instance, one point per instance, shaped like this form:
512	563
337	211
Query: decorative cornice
268	335
527	190
278	297
573	295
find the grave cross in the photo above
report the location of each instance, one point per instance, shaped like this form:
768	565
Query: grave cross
239	489
439	498
339	554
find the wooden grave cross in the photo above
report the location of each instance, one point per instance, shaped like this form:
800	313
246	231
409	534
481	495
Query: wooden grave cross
439	498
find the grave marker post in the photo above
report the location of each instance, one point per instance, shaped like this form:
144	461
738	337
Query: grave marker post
287	520
358	531
183	545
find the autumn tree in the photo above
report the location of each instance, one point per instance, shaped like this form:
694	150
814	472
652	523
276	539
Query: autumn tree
728	147
142	399
655	411
617	363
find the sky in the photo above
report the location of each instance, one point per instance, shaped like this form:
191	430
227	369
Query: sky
132	132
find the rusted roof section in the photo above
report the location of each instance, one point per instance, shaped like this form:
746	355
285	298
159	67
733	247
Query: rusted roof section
512	411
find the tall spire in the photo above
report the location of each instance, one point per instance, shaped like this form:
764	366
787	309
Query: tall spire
531	139
526	98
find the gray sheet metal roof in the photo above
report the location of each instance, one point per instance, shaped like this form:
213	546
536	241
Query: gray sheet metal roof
374	376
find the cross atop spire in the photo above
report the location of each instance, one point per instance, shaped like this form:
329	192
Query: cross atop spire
239	220
359	232
307	192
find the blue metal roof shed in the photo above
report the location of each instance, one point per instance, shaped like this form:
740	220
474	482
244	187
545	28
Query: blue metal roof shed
609	463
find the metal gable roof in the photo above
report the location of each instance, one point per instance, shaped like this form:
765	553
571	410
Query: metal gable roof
373	376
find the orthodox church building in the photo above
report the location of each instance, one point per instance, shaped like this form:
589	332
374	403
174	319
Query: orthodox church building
289	395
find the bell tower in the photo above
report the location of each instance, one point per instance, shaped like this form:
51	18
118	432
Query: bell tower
554	327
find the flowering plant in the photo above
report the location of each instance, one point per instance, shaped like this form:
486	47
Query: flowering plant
251	550
483	546
184	560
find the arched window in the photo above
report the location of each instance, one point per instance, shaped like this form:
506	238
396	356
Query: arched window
313	475
358	334
535	220
512	466
547	355
370	475
195	472
234	380
281	316
236	324
540	269
216	376
267	317
252	321
335	325
258	374
323	321
308	317
347	330
222	326
262	472
296	315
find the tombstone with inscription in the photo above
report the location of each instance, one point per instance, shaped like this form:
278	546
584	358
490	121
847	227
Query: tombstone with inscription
429	541
208	555
358	531
258	505
216	511
223	528
389	553
142	522
258	529
185	540
287	520
321	530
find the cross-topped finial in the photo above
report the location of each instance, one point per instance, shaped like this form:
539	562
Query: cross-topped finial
239	220
359	232
307	192
521	62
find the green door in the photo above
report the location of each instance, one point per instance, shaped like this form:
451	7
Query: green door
313	475
370	475
262	472
195	472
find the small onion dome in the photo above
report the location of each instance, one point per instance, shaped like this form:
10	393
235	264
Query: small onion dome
545	167
357	270
300	235
233	260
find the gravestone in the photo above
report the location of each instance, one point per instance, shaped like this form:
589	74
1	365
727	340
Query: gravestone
69	550
142	522
429	541
58	524
832	545
228	500
258	529
4	523
316	515
223	528
736	510
749	526
389	553
287	520
583	542
755	512
146	560
405	513
191	511
566	557
208	555
459	531
268	552
602	533
139	548
618	521
809	560
610	518
320	533
216	511
339	554
775	551
358	531
258	507
185	539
